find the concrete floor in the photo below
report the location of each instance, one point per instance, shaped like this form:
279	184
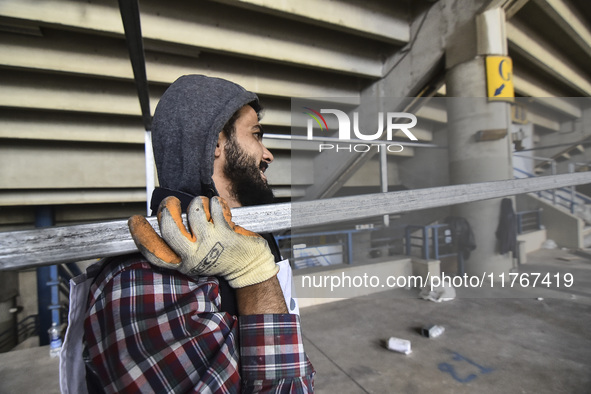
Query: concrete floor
29	371
495	341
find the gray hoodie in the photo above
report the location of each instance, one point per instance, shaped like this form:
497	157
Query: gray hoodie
187	122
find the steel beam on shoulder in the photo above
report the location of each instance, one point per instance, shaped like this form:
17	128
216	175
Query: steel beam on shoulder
34	248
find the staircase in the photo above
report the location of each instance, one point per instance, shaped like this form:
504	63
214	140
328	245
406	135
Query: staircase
576	203
566	200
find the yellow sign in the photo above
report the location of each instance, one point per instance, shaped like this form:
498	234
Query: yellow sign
499	78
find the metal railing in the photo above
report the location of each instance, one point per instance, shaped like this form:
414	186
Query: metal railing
529	220
432	238
562	196
26	328
53	295
436	241
336	250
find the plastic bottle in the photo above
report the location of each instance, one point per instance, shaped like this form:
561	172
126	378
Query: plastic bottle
432	331
436	331
399	345
55	341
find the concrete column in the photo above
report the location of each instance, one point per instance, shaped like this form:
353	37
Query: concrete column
471	160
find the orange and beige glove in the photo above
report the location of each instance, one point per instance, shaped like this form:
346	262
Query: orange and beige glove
214	246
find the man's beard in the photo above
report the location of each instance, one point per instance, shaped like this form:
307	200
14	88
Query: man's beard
248	187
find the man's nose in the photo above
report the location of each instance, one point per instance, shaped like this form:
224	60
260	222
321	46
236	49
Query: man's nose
267	155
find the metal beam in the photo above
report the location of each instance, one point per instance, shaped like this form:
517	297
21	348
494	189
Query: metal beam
130	15
22	249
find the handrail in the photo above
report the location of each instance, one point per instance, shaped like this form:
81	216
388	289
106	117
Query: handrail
348	242
530	175
26	328
537	213
33	248
426	236
578	195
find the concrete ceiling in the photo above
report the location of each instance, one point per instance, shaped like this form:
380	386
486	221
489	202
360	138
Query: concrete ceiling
65	74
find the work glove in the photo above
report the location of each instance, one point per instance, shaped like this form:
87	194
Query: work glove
214	245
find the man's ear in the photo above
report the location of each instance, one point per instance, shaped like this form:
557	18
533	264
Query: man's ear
220	145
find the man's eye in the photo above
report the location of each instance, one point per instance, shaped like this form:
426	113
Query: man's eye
258	136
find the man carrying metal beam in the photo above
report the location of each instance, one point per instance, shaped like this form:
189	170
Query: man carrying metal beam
214	312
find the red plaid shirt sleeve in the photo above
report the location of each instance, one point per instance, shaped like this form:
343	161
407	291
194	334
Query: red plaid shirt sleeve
151	330
272	355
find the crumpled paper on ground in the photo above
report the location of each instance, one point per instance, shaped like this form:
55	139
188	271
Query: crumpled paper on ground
444	292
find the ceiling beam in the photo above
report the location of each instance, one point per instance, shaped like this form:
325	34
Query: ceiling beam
70	196
106	58
40	128
569	20
538	118
526	85
528	44
84	95
432	112
385	24
74	95
511	7
196	25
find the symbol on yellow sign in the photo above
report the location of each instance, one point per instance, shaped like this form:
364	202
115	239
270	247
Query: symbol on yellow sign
499	78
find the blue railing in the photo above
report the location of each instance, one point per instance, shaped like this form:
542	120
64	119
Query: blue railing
344	238
51	282
431	236
339	246
436	241
558	199
53	289
529	220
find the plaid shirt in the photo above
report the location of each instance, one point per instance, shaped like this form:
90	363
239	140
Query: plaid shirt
152	330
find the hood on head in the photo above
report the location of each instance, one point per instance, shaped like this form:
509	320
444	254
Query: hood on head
186	126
